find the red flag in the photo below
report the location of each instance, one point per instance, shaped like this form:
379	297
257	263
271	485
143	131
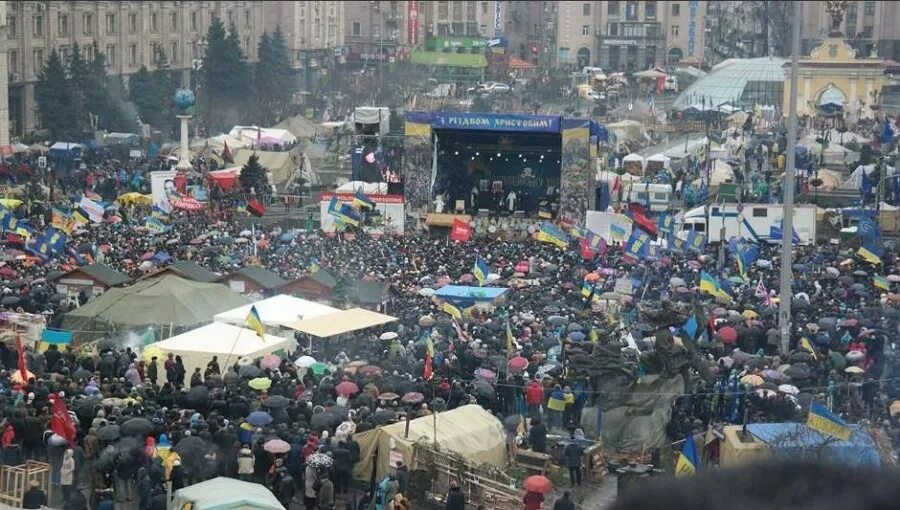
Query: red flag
460	231
638	213
586	252
226	154
428	371
20	351
255	208
61	421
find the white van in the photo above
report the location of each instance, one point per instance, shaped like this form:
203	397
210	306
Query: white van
658	197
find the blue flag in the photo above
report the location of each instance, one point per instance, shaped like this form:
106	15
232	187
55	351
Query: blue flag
690	327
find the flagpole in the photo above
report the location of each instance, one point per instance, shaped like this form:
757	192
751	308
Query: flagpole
784	314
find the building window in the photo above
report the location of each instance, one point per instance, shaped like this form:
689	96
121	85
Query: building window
111	55
194	20
154	22
869	8
484	8
650	10
63	53
62	25
89	52
38	28
13	62
585	30
247	18
154	51
443	10
482	29
11	26
585	9
132	55
87	24
132	23
173	20
38	59
674	30
356	29
612	7
631	10
230	17
175	58
110	23
247	45
331	32
457	10
676	10
472	29
470	10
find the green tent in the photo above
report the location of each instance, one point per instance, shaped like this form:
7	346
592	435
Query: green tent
167	302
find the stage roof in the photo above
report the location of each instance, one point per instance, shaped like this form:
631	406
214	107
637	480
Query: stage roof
503	122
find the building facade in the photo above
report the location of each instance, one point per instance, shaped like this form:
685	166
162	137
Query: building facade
130	34
314	30
868	26
376	31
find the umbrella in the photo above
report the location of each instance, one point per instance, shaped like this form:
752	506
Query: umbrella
677	282
382	416
259	418
305	361
576	336
260	383
109	433
728	335
426	292
551	309
81	373
426	321
893	278
276	402
798	371
789	389
368	370
387	397
773	375
752	380
517	364
837	360
250	371
277	446
198	397
849	323
574	326
483	388
269	361
413	397
538	483
854	356
346	388
137	427
467	278
854	370
319	368
483	373
750	314
323	420
390	335
113	402
557	320
592	277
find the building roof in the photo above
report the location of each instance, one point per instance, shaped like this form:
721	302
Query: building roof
265	278
188	269
739	82
324	277
368	292
101	273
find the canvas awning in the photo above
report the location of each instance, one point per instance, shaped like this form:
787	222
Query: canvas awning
438	58
277	311
334	324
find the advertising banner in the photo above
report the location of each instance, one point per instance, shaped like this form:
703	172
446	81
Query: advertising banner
386	218
162	183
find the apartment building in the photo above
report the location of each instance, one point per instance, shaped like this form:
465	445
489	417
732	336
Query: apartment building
313	30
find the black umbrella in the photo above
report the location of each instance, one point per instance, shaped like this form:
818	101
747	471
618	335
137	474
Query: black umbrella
323	420
197	397
137	427
250	371
109	433
15	284
10	301
192	449
798	371
57	297
81	373
54	274
383	416
276	402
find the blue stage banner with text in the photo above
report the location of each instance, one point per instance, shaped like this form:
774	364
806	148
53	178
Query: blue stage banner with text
497	122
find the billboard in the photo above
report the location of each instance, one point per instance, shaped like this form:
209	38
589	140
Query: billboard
387	218
162	183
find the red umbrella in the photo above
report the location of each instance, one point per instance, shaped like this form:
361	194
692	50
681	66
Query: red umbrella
7	272
523	267
347	388
517	364
592	277
728	335
413	397
147	256
538	483
368	370
467	278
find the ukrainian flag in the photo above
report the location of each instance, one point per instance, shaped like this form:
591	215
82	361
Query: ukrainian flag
711	285
586	289
881	282
870	253
826	422
81	216
481	270
550	234
255	322
348	216
804	342
361	200
577	231
617	230
688	460
451	310
314	265
61	220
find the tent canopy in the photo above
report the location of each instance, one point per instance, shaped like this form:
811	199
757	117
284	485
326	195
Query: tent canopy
169	300
197	346
468	430
253	133
226	494
338	323
279	310
280	164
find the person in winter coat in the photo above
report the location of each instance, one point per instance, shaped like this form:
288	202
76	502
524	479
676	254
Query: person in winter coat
177	476
343	468
67	473
537	436
245	462
309	487
572	453
565	502
132	375
534	397
401	474
533	500
9	436
34	497
144	489
455	500
153	371
325	496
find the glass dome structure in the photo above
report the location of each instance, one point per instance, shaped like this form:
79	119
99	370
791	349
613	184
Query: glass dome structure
737	82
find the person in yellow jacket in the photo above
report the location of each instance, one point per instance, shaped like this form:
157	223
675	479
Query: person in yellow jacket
569	410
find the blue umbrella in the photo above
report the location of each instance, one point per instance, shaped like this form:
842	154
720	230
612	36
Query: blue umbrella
576	336
259	418
288	236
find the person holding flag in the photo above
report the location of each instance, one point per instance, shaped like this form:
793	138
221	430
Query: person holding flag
481	270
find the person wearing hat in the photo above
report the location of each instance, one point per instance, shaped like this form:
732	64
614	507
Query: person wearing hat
34	497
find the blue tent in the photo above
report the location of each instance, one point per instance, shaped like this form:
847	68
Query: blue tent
796	440
460	293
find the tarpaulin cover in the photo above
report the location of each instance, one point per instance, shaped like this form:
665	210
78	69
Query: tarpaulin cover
226	494
639	424
796	440
466	293
469	431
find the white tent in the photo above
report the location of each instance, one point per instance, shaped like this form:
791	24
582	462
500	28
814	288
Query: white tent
721	172
855	180
197	346
253	133
226	494
279	310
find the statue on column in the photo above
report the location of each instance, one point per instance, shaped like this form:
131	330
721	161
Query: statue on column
836	10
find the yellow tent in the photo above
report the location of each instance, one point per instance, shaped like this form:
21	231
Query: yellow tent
469	431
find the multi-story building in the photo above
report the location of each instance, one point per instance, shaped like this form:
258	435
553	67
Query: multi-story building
4	80
314	30
376	31
130	34
867	25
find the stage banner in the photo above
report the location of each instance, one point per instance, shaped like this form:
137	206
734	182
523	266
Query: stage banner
496	122
387	217
576	170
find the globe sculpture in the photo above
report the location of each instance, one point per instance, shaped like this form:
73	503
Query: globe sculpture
183	99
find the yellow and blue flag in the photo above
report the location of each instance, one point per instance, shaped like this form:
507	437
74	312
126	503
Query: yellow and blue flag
675	244
688	460
618	229
710	285
826	422
314	265
577	231
665	223
451	310
255	322
155	225
870	253
349	216
696	241
547	233
481	270
807	346
746	254
881	282
587	288
62	220
360	199
636	247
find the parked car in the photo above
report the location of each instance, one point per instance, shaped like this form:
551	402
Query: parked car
490	87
